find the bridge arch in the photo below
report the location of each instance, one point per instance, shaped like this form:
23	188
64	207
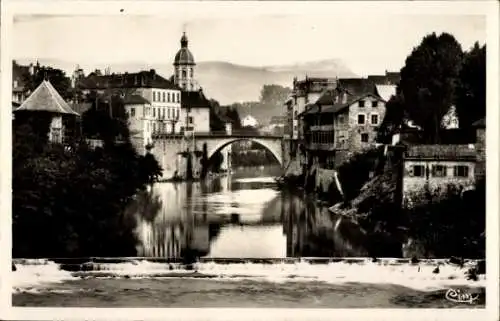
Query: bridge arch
272	145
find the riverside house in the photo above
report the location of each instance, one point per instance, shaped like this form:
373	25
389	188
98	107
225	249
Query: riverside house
439	166
343	121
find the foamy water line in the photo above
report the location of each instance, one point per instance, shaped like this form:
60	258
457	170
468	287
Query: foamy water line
421	276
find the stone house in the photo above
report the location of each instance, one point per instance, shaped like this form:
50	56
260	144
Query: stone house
436	167
342	122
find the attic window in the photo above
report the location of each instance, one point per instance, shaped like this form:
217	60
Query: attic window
375	103
361	103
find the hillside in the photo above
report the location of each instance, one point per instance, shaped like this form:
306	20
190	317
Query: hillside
223	81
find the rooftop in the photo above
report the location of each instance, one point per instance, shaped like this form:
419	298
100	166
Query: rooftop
142	79
46	98
441	152
481	123
135	100
194	99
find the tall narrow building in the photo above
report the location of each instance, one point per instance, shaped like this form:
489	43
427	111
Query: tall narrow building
184	67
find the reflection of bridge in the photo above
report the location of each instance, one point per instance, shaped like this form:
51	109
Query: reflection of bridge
167	147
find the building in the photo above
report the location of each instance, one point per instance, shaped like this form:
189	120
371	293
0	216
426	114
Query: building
436	167
343	121
151	98
19	74
195	113
249	121
140	120
46	101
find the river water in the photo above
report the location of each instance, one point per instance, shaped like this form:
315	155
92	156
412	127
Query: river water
255	247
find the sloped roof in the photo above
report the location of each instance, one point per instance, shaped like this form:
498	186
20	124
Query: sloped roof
194	99
480	123
441	152
135	100
328	105
142	79
357	86
46	98
390	78
386	91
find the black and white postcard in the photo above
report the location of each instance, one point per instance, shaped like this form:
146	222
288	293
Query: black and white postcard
249	160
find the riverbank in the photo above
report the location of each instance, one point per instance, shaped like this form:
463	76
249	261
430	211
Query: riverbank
368	189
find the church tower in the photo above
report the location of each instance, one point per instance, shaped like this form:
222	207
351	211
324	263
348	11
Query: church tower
184	67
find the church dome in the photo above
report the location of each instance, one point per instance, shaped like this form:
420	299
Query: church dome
184	56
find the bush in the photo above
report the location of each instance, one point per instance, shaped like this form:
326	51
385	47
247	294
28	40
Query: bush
72	203
450	223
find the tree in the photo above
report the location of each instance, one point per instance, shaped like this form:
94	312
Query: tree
471	93
274	95
393	119
429	81
57	78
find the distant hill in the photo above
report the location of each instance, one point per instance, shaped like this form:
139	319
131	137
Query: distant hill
223	81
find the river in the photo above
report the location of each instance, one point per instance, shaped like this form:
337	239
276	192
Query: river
255	247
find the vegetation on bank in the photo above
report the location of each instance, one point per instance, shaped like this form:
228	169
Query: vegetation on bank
72	202
441	223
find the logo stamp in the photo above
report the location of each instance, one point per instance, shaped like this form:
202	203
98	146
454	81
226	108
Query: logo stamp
460	296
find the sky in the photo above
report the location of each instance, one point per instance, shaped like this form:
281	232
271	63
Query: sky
368	44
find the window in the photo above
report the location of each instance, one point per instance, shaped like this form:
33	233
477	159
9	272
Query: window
190	120
168	113
374	119
374	103
364	138
154	112
163	96
183	74
168	97
361	103
132	112
461	171
361	119
154	96
341	119
418	171
178	98
191	71
438	171
177	114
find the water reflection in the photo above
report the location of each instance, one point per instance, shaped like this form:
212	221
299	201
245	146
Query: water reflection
241	216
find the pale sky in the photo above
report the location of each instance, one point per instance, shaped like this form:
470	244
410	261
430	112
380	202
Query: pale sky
368	44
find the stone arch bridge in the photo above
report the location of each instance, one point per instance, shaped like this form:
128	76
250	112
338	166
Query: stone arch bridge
167	148
216	143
